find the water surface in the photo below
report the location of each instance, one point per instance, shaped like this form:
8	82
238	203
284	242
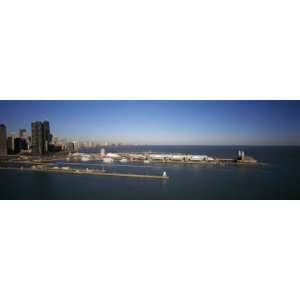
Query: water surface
277	179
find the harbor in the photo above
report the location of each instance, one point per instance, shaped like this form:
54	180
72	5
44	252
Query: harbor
160	158
147	157
75	163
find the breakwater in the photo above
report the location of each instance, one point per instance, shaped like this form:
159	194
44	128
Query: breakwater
85	172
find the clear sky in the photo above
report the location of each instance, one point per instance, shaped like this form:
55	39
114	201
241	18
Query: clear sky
162	122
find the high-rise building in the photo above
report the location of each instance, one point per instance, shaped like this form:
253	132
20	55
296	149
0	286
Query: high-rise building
46	135
3	140
37	138
41	137
11	144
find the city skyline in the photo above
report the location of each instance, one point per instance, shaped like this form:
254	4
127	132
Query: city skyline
161	122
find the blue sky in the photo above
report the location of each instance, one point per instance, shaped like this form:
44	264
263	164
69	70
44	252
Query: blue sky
162	122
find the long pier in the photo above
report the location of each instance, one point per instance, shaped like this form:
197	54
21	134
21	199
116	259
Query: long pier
85	172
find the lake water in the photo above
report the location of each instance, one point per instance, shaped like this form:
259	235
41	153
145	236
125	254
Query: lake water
278	178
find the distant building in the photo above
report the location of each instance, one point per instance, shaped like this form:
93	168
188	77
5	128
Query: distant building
3	140
23	134
76	146
20	145
70	147
102	153
241	155
55	141
25	143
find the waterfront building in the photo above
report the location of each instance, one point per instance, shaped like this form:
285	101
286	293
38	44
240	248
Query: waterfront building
11	144
70	146
3	140
177	157
37	138
198	157
41	137
46	135
113	155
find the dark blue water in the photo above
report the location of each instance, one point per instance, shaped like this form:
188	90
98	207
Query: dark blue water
277	179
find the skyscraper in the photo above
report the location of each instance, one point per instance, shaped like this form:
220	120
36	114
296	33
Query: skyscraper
41	137
11	144
46	135
3	140
37	138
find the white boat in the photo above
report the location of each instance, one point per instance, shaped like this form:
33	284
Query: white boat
123	160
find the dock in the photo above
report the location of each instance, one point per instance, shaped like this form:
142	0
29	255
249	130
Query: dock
85	172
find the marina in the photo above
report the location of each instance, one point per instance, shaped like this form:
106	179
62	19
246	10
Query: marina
76	163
